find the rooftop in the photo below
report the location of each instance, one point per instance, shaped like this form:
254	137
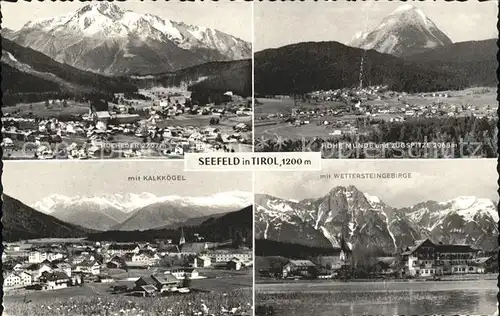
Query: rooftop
302	263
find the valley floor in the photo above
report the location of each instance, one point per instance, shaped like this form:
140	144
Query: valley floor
220	290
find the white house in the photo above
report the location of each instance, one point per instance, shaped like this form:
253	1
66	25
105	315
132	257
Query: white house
18	267
121	249
12	280
88	267
37	269
202	262
182	273
145	256
227	256
40	256
26	278
36	256
15	248
55	280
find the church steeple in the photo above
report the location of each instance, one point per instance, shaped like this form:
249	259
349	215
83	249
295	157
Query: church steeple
182	241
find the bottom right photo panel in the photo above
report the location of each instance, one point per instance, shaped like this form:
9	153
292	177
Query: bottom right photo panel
361	237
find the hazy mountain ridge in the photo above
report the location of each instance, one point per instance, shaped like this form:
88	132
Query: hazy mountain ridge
366	221
166	213
138	211
21	222
103	38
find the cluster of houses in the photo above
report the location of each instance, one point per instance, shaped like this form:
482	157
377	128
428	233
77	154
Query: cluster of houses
372	102
110	127
55	266
423	259
199	254
52	268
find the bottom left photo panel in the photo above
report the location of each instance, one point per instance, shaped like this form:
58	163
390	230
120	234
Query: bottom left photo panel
126	238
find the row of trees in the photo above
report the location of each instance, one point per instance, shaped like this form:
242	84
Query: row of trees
463	137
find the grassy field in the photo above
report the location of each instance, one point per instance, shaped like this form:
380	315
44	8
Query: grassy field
223	280
285	106
39	109
289	131
92	305
222	289
215	280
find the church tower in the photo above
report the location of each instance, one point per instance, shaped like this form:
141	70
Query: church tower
182	241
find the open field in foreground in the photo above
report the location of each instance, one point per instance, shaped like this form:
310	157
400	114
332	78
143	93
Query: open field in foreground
217	303
221	290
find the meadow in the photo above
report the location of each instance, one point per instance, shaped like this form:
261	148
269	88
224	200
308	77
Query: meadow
238	302
39	110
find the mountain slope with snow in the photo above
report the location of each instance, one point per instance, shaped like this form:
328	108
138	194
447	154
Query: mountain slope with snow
103	38
171	210
406	31
343	212
366	222
138	211
463	220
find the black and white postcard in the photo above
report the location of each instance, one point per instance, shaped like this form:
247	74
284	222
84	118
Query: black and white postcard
382	237
249	158
124	80
128	238
377	79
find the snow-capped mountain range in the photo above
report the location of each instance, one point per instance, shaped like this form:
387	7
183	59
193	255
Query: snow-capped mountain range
132	211
407	30
366	221
102	37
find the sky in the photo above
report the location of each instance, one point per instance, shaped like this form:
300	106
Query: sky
234	18
30	182
277	24
437	180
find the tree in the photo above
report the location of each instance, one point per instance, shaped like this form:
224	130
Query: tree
238	239
165	262
219	138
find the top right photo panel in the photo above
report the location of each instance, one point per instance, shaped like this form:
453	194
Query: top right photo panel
376	79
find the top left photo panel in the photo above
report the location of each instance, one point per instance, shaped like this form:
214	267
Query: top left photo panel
125	80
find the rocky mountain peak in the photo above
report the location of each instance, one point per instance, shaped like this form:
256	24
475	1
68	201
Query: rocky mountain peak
104	8
405	31
366	221
103	37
